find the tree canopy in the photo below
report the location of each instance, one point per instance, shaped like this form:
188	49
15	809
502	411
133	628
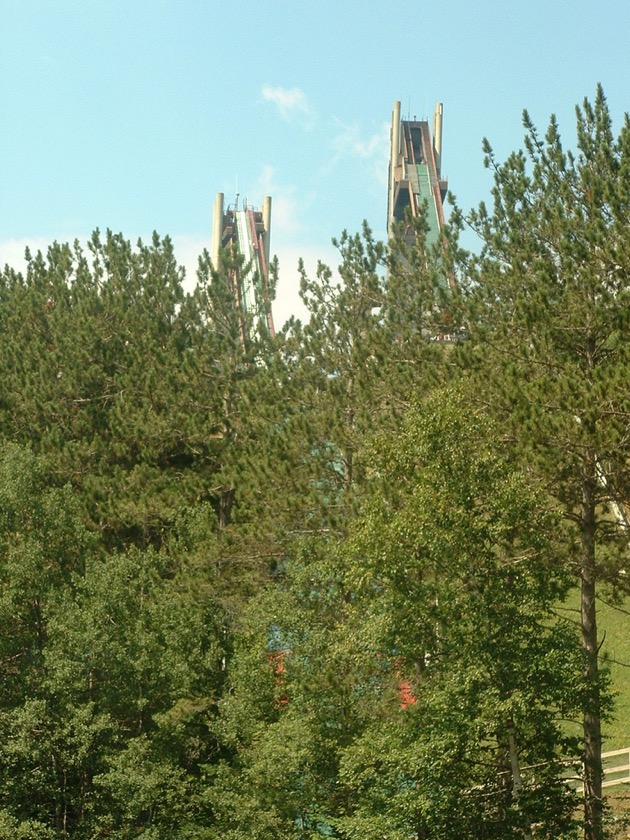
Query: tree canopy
547	304
311	584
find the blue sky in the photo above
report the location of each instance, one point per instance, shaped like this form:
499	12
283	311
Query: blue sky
132	115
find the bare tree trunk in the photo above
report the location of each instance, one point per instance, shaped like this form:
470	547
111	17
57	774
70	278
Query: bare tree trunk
517	783
593	804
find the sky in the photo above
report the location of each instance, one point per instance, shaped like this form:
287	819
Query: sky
131	115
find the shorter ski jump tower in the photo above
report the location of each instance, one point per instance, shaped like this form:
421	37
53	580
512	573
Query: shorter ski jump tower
246	230
415	177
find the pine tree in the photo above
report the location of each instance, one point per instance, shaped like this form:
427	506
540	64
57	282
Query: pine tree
549	350
128	386
329	384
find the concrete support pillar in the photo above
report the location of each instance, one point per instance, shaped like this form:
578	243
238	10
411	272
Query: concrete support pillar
437	137
217	228
266	214
394	161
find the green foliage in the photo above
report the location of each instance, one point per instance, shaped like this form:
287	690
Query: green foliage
454	564
291	587
12	829
547	308
440	601
143	795
329	384
549	297
128	386
106	659
42	544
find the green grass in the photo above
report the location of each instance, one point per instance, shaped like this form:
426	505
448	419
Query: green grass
613	627
614	630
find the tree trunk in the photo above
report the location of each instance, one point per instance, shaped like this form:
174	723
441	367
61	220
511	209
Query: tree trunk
517	782
593	805
226	500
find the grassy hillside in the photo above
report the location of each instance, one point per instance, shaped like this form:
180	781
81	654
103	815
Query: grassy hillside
614	629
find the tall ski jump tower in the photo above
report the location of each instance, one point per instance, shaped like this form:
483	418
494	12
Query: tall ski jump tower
415	177
246	230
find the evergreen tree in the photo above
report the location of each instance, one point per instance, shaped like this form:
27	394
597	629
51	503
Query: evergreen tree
329	384
548	329
92	364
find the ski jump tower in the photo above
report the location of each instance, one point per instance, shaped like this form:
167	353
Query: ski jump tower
246	230
415	177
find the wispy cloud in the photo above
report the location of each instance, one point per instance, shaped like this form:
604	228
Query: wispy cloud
286	211
370	153
291	241
12	251
350	142
291	103
187	250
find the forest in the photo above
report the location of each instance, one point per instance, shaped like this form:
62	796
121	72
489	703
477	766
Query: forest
338	582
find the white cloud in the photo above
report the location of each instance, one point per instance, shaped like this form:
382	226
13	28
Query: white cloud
349	141
12	251
188	248
291	104
288	301
187	252
374	149
285	210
